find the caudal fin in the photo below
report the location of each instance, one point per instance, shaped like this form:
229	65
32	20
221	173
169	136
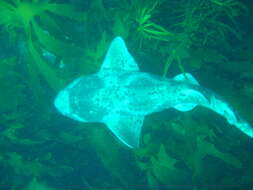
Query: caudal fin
212	101
225	110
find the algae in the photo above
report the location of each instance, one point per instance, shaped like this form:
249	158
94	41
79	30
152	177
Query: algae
49	43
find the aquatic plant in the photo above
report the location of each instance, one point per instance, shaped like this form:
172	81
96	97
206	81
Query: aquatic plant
161	168
223	16
197	141
229	8
96	54
16	16
11	134
200	23
22	166
181	148
34	184
146	28
138	18
190	25
184	141
111	158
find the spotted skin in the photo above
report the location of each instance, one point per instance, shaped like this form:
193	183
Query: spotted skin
120	96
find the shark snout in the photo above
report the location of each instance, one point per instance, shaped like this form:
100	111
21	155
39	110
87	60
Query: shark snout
62	102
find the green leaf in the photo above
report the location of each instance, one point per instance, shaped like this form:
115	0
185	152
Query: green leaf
47	72
207	148
53	45
68	11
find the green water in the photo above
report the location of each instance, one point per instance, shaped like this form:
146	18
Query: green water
45	45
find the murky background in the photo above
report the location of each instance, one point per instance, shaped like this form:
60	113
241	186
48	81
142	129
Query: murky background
46	44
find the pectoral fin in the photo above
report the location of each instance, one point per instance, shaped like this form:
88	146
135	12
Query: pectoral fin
126	127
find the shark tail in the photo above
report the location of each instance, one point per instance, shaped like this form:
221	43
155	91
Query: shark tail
208	99
218	105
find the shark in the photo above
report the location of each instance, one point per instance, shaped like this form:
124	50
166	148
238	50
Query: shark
120	96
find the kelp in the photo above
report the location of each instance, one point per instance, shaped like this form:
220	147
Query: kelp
201	146
138	19
23	15
191	25
186	149
12	93
198	24
11	134
43	67
147	28
34	184
52	44
161	170
22	166
96	54
25	167
112	159
178	150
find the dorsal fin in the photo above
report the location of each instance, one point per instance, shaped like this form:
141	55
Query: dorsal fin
118	58
187	78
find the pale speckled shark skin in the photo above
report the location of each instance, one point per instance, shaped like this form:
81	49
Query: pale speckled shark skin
120	96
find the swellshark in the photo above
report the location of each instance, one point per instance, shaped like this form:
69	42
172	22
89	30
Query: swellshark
120	95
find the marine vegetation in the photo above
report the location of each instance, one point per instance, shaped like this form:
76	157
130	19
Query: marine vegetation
189	27
198	24
146	28
28	18
139	19
45	44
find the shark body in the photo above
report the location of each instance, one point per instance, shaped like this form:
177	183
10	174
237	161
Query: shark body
120	96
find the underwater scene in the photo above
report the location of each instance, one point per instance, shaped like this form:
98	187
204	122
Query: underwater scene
126	95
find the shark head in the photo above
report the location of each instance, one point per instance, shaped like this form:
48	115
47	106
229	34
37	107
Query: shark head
77	99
